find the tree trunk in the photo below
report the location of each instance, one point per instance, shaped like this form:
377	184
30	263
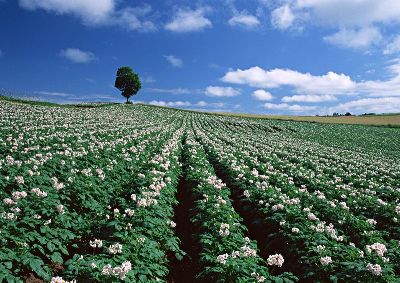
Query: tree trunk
127	100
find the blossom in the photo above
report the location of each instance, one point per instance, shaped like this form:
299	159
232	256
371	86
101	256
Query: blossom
39	193
60	209
276	259
222	258
8	201
374	268
325	260
379	248
311	216
19	195
20	180
96	243
224	230
115	249
60	280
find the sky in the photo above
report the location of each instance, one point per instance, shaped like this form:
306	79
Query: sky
295	57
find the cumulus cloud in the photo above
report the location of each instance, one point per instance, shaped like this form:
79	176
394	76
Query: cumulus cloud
244	19
358	23
96	12
309	98
174	61
355	38
285	106
217	91
90	11
77	56
350	12
330	83
186	20
262	95
369	105
282	17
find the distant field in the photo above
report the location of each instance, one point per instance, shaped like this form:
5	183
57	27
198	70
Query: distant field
376	120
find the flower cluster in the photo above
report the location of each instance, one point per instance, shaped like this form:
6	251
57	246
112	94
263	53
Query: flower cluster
276	259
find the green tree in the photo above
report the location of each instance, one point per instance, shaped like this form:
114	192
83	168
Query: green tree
128	82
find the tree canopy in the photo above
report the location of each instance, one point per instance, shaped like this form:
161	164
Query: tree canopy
128	82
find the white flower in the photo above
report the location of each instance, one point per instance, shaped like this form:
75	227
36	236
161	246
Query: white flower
19	195
374	268
311	216
60	280
8	201
171	223
246	193
129	211
379	248
20	180
295	230
222	258
276	259
224	230
60	209
325	260
96	243
115	249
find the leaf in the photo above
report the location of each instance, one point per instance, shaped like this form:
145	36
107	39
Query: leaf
56	257
8	264
179	256
51	246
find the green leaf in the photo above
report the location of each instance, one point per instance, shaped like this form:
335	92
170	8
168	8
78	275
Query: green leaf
56	257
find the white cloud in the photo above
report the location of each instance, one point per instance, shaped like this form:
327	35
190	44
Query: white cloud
359	23
187	104
89	11
172	90
355	38
285	106
97	12
244	19
60	94
350	13
174	61
149	79
393	46
282	17
131	18
186	20
368	105
77	56
217	91
170	103
310	98
262	95
330	83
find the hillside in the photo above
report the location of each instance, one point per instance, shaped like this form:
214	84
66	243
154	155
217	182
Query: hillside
138	193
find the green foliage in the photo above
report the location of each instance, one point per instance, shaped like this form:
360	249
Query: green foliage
127	82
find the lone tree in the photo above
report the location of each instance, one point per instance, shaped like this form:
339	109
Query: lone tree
127	82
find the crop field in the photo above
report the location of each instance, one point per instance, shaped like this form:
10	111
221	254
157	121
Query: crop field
126	193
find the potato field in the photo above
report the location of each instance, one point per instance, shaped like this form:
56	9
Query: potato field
148	194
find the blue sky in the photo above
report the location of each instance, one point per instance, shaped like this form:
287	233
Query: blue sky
298	57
